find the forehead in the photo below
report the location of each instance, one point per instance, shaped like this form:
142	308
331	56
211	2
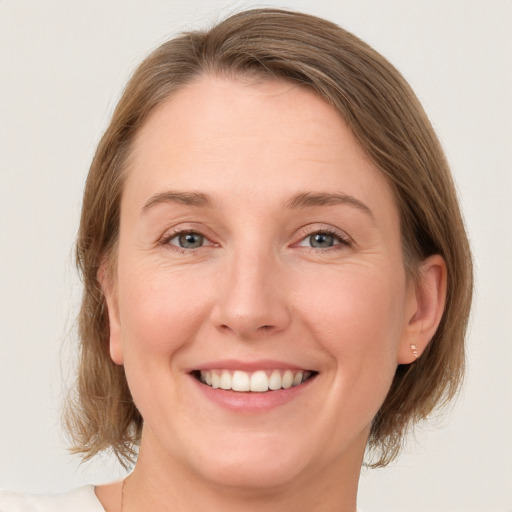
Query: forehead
217	111
252	138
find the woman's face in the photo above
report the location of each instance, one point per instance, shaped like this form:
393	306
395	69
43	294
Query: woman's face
259	249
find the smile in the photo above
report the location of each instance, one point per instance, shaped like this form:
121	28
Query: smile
259	381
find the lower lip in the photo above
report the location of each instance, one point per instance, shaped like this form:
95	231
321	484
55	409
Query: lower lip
252	402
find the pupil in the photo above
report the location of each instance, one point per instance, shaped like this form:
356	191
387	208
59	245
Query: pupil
190	240
322	240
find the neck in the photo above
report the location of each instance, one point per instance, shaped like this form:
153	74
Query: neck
166	486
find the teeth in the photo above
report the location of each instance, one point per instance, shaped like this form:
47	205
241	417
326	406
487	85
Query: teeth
297	379
225	380
215	379
258	382
274	381
240	381
287	381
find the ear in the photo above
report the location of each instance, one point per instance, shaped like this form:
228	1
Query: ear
424	309
109	290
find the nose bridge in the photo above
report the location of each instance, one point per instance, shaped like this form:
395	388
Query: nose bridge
251	301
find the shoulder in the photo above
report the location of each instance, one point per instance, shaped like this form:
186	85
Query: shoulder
83	497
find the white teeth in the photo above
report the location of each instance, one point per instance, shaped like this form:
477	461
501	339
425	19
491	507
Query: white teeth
225	379
287	381
206	377
274	381
240	381
297	379
259	381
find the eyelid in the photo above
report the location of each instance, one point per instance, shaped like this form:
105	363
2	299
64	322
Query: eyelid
303	233
180	230
177	235
310	230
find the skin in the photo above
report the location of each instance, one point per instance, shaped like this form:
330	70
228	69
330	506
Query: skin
256	289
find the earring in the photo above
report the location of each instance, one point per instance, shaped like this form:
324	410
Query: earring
414	349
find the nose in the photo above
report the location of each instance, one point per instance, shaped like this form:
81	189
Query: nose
251	300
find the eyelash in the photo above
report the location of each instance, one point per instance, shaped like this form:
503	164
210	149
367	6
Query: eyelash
340	238
166	240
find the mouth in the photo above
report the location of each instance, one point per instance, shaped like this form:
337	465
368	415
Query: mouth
259	381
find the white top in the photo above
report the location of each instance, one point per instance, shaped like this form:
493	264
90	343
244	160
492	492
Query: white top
82	499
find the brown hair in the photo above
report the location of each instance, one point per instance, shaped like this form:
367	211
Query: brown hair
389	123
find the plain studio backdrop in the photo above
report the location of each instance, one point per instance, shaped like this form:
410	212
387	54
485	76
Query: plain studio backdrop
62	68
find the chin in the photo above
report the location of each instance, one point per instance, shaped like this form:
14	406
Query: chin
250	469
249	457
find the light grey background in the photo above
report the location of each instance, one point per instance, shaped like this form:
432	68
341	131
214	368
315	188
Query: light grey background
62	67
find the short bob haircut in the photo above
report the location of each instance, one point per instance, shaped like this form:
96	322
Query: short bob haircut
388	122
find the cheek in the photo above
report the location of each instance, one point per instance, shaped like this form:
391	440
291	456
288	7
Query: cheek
357	314
356	319
160	310
160	315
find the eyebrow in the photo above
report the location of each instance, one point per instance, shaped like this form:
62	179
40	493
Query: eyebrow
196	199
311	199
299	201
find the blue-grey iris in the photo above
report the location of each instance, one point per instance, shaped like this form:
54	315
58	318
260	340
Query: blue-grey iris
190	240
321	240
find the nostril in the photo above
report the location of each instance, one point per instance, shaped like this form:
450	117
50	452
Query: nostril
241	331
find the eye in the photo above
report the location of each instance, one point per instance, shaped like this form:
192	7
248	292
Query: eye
187	240
323	240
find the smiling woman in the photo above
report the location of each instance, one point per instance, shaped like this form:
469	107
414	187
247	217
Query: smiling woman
276	272
256	284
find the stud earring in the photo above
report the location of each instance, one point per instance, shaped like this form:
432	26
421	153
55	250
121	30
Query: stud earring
414	349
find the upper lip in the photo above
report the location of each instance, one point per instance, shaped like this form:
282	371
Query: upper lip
248	366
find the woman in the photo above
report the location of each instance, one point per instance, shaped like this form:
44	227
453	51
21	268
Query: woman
276	273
